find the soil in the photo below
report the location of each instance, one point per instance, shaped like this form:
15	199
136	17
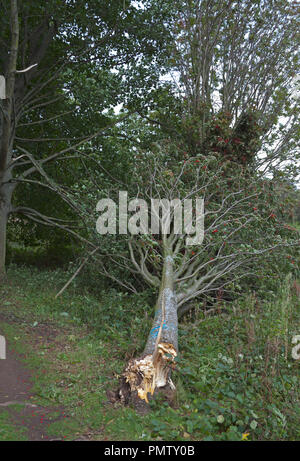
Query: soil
16	382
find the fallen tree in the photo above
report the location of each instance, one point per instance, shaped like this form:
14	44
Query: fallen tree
170	251
152	370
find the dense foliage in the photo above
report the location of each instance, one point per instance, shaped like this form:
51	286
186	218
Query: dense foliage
163	99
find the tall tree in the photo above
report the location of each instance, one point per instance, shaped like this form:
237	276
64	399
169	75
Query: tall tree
235	62
52	56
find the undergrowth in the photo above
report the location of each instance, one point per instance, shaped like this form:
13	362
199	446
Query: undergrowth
236	378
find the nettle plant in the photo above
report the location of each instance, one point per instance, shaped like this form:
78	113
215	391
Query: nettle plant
240	231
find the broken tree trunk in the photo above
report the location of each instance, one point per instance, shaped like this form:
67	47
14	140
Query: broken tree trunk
152	370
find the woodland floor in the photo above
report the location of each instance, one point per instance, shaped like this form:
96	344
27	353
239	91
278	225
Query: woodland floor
65	356
22	419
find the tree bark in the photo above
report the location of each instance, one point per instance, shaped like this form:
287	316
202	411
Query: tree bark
6	191
7	133
152	370
166	300
3	226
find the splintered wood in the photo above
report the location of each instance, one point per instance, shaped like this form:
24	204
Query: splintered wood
145	375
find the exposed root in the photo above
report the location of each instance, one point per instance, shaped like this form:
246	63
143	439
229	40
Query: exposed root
146	374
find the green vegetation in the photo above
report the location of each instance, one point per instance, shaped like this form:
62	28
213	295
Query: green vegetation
161	99
235	376
8	430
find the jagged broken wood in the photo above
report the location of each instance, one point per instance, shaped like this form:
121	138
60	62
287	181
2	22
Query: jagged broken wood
152	371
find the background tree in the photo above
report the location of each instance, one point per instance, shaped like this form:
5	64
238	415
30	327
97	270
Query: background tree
235	63
75	59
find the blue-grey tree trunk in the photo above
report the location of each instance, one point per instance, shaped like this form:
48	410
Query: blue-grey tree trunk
143	376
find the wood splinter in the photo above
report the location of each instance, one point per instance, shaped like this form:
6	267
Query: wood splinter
145	375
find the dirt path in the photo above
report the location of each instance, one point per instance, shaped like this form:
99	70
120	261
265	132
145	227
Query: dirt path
14	380
15	389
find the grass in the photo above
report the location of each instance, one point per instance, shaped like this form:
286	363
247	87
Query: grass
236	378
8	430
